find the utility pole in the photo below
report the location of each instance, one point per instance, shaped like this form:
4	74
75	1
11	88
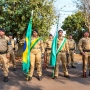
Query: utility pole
58	21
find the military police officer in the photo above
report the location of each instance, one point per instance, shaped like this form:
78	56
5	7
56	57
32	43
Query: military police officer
61	56
48	46
13	50
35	55
72	49
84	47
4	53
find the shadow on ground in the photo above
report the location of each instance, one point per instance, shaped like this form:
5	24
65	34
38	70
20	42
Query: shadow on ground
17	79
75	75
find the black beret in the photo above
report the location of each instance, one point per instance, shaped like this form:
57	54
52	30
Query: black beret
50	34
35	30
10	34
1	29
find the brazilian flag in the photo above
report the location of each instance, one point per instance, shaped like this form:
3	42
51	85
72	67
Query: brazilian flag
26	51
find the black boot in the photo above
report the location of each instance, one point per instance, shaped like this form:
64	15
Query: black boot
14	69
84	74
39	78
73	66
68	67
6	79
55	77
29	78
89	72
67	76
46	67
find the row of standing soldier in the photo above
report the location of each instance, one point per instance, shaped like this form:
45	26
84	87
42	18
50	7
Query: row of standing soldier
83	46
7	48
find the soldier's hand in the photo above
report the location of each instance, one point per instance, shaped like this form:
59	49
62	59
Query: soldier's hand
15	53
7	55
74	51
83	53
42	55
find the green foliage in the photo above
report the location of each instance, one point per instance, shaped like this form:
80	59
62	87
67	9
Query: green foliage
75	25
15	15
84	6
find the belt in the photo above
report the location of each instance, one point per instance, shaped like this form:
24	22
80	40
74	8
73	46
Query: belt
86	50
36	48
63	51
48	48
3	52
71	49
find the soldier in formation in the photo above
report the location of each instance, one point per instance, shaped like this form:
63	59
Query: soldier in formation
61	55
4	53
48	46
72	49
84	47
35	55
13	50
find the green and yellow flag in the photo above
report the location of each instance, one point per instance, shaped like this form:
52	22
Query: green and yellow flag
54	47
26	51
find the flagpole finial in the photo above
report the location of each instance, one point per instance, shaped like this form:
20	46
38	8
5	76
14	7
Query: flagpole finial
32	13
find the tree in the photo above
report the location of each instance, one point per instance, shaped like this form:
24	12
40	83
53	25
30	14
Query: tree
84	6
75	25
15	15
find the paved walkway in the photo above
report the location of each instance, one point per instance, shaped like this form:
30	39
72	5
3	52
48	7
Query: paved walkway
17	81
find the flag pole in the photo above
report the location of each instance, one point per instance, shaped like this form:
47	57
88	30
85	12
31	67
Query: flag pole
56	47
27	76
